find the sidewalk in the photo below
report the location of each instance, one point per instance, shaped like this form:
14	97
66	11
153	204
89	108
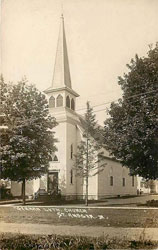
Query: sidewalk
91	231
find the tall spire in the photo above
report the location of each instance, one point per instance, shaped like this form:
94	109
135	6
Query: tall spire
61	77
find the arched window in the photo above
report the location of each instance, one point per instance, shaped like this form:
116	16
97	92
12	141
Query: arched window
59	101
68	101
72	104
55	158
52	102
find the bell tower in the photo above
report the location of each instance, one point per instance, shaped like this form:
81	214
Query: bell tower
62	104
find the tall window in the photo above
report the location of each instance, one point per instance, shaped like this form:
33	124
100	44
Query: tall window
71	155
111	181
68	101
123	182
71	176
132	181
59	101
72	104
52	102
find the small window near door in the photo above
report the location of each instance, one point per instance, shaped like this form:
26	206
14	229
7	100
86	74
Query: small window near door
111	181
123	182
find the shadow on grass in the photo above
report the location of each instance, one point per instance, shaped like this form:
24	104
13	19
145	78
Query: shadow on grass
62	202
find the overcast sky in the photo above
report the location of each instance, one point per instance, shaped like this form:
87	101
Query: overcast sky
102	37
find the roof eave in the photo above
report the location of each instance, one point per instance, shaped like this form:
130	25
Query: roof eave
52	90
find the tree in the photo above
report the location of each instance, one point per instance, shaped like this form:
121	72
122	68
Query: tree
131	131
89	157
28	143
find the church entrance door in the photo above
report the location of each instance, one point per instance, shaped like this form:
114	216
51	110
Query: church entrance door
53	183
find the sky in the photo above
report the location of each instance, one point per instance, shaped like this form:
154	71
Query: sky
102	37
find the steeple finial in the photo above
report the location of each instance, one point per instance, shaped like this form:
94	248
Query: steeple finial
62	16
62	10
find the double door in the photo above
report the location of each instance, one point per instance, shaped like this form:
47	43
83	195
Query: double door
53	183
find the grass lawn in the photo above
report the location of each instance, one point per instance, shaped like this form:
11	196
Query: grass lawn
80	216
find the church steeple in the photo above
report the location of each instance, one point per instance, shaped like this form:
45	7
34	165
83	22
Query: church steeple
61	76
61	92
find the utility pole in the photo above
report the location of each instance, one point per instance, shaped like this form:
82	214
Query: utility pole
0	140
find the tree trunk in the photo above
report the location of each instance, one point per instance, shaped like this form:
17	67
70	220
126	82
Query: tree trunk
86	198
23	191
0	183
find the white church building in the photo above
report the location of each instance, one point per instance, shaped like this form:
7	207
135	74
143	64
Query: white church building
114	180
